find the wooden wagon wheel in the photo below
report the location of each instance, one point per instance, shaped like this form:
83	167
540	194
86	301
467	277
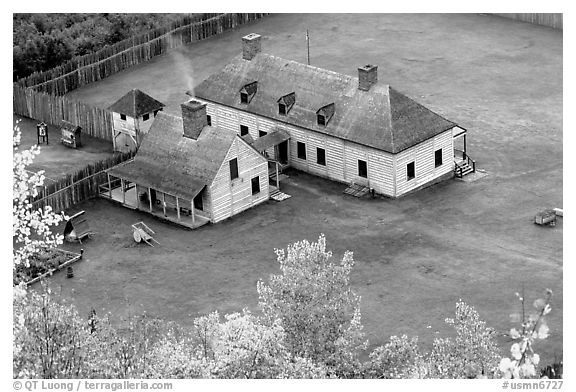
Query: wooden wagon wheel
137	236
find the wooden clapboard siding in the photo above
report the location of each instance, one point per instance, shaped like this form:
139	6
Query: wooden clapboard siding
230	197
341	156
423	156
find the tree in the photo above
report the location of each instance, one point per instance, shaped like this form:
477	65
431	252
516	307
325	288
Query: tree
533	327
49	338
31	227
472	353
316	307
399	358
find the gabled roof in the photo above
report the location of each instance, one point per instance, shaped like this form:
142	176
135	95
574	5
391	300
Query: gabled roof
135	104
382	117
171	163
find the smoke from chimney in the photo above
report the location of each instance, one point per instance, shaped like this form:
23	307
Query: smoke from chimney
184	68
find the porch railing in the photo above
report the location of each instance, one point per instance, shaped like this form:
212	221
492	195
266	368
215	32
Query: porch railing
467	161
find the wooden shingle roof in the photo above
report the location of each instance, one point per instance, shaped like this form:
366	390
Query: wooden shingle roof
382	117
171	163
135	104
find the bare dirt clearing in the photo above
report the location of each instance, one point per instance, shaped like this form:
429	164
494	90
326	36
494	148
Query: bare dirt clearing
416	256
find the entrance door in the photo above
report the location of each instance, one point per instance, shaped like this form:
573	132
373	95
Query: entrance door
283	152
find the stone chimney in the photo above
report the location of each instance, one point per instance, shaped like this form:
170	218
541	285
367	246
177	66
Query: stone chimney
367	76
250	46
193	118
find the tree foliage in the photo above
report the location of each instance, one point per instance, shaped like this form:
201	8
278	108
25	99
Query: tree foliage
31	228
43	41
314	303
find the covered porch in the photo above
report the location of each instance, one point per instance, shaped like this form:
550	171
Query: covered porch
188	212
464	164
275	147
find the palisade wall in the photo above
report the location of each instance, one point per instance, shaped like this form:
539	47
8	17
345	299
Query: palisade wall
41	95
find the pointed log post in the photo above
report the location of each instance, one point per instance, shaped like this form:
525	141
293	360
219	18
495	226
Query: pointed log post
109	186
123	191
150	199
177	208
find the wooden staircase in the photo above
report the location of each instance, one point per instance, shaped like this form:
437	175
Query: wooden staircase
462	168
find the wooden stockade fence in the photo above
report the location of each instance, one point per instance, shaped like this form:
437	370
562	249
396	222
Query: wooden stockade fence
125	54
550	20
53	109
77	187
40	95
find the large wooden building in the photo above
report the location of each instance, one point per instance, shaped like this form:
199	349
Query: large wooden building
132	117
189	172
348	129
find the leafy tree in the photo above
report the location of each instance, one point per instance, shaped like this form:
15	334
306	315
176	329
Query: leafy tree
472	353
49	338
317	309
399	358
533	327
31	227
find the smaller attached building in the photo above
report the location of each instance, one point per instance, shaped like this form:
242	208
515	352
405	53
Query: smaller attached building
189	172
132	116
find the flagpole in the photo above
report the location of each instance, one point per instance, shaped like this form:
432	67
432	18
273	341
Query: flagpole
308	45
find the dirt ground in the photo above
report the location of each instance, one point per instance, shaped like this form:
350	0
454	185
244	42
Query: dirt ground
56	159
416	256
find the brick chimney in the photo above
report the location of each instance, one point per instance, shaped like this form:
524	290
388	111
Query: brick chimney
367	76
250	46
193	118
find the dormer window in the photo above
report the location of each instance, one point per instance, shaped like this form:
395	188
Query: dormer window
324	114
285	103
248	92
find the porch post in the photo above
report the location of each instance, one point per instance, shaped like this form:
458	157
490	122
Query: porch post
464	146
164	203
277	180
177	208
109	186
123	191
192	206
150	199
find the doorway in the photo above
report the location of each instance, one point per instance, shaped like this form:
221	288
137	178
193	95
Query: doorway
283	152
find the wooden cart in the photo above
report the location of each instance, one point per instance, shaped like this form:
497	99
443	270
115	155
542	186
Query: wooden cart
143	233
546	217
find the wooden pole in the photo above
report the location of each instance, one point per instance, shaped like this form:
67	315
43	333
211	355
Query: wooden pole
123	191
277	180
109	186
164	203
192	206
308	45
150	198
177	208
